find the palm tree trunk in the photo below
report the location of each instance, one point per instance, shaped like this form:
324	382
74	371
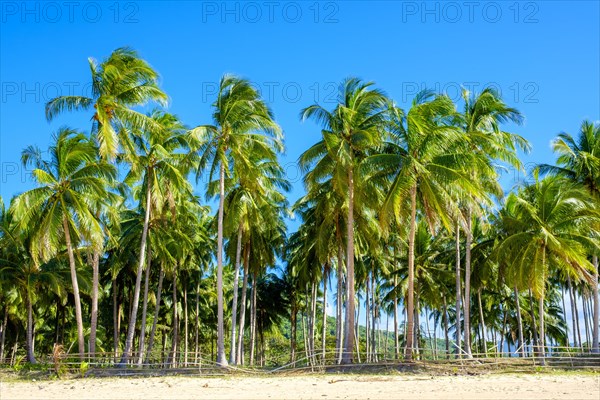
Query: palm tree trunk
410	308
197	325
357	334
387	333
138	276
56	325
435	348
374	319
542	349
519	323
502	332
163	358
156	311
467	305
3	333
221	358
349	337
78	317
185	326
175	335
144	308
447	338
428	331
574	314
417	327
304	334
116	318
367	322
253	318
324	324
313	320
590	313
340	301
482	322
571	301
458	291
236	273
564	311
534	325
240	344
94	318
596	318
396	343
294	328
30	356
585	321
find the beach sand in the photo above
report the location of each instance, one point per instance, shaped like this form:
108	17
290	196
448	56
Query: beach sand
504	386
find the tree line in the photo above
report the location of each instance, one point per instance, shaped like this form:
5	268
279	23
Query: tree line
113	252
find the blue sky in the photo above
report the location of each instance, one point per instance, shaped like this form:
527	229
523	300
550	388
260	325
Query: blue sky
544	57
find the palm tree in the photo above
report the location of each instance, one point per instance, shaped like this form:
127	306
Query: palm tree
19	271
579	161
59	211
353	129
552	222
120	82
258	176
239	116
425	157
480	122
157	162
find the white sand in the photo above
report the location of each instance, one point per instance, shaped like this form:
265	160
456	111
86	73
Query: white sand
504	386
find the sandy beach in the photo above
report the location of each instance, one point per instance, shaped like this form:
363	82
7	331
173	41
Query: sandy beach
505	386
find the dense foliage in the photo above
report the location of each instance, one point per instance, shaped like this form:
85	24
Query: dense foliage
112	252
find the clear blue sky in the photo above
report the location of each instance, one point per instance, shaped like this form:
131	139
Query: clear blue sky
542	55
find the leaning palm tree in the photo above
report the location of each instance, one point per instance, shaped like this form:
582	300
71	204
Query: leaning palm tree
579	161
120	82
553	224
156	161
60	210
239	116
353	129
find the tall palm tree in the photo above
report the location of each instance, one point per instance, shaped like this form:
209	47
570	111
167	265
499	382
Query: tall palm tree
481	120
59	211
120	82
426	160
239	116
350	131
552	226
156	161
255	183
579	161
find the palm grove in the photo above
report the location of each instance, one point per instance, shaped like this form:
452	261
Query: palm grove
112	256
